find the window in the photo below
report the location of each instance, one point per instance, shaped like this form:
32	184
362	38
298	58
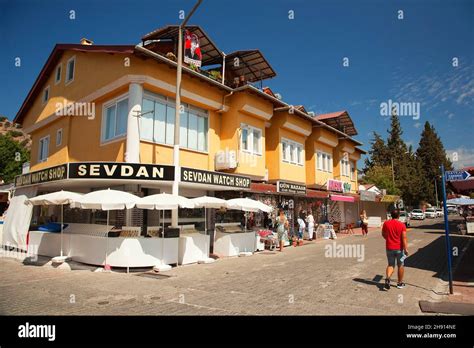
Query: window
43	149
158	119
59	137
352	169
70	69
46	95
324	162
292	152
251	139
114	118
57	76
345	167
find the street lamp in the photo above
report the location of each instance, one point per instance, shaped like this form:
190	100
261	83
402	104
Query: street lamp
177	169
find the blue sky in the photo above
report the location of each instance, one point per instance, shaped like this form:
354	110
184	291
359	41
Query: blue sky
408	60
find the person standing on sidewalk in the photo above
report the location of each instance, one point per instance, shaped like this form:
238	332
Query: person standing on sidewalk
282	226
301	229
310	221
364	222
395	234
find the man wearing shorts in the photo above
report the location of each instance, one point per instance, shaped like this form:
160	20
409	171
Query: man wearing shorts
395	234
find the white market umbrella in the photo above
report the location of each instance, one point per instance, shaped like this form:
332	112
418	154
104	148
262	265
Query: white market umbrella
247	204
212	203
56	198
164	201
460	201
107	200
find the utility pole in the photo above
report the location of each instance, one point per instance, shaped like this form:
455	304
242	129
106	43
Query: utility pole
179	70
446	229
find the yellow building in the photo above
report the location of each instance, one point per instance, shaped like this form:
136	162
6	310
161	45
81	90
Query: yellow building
104	116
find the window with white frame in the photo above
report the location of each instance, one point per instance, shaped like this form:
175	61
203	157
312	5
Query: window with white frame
251	139
59	137
353	170
324	161
345	167
292	152
46	95
57	75
43	149
114	119
158	119
70	69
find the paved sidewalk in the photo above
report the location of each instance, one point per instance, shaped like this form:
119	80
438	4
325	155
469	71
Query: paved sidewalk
303	280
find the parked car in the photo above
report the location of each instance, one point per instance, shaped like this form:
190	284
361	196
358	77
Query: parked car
417	214
452	209
430	213
439	212
405	218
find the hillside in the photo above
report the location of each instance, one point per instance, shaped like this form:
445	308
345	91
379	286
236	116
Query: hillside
15	131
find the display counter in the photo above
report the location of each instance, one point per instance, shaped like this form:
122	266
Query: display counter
192	247
121	251
231	239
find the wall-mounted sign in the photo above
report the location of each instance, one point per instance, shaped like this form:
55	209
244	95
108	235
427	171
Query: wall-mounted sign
40	176
288	187
114	170
335	185
338	186
389	198
214	178
192	51
367	196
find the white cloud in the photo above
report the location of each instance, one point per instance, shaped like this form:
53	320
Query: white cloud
461	157
417	125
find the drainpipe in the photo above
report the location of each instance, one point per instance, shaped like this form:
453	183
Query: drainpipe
222	108
223	67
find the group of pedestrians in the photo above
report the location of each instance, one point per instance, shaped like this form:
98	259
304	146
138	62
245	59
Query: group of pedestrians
282	227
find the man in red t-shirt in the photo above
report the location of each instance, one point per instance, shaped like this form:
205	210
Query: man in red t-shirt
395	234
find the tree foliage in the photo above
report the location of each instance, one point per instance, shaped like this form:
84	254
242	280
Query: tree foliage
12	157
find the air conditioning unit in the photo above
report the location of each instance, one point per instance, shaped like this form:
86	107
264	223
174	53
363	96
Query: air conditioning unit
225	160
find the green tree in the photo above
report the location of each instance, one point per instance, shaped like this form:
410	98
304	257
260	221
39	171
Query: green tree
381	176
431	154
378	153
12	157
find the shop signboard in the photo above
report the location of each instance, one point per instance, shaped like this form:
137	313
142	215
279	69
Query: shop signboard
288	187
389	198
367	196
335	185
117	170
192	51
41	176
346	187
198	176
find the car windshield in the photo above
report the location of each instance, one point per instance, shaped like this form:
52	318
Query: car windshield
416	211
402	214
430	210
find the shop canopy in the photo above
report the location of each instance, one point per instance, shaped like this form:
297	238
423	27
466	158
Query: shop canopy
341	198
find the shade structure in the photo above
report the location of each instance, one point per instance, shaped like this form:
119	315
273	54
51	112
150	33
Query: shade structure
460	201
247	204
211	203
56	198
164	201
107	200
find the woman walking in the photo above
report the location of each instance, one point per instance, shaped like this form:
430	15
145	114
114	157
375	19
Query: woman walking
282	226
364	222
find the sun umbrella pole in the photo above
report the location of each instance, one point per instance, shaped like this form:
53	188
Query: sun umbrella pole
106	240
62	223
205	231
163	240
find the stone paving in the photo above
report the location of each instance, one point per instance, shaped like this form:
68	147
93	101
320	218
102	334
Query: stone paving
300	281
